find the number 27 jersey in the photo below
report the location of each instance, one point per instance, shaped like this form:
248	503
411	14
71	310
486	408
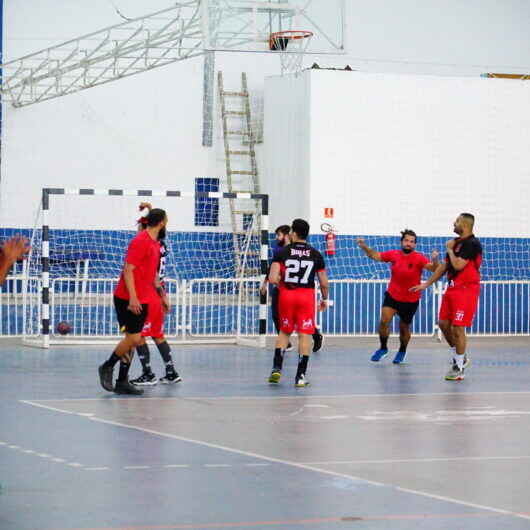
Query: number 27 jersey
299	263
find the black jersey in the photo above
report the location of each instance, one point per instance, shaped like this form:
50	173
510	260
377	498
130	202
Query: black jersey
299	262
163	257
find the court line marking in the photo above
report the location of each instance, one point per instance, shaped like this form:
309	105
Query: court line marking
417	460
299	465
298	397
291	522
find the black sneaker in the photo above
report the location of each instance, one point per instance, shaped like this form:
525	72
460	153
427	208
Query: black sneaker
105	377
125	387
148	379
171	378
318	340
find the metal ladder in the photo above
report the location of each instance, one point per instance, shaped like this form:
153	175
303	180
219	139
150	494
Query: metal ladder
241	175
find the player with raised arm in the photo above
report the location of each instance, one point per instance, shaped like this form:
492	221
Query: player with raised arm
154	323
132	295
13	249
407	267
282	240
294	270
460	300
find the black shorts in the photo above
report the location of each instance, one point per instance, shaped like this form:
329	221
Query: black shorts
405	310
128	321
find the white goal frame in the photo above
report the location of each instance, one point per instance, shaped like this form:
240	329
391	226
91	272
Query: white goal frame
44	338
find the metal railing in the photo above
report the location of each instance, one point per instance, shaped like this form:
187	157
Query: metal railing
223	308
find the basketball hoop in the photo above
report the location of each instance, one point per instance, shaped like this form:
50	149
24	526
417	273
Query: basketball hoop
291	45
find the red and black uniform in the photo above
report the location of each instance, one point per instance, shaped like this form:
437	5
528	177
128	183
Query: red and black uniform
144	254
154	322
460	300
406	273
299	263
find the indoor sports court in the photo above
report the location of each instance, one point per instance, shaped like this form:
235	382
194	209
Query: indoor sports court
234	118
366	446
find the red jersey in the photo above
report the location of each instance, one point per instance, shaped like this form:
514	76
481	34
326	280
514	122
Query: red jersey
144	254
406	272
466	248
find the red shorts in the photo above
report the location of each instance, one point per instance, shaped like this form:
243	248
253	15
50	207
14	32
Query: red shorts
297	311
154	323
459	305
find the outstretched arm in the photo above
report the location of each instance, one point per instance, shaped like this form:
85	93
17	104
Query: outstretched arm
372	254
438	273
433	264
12	250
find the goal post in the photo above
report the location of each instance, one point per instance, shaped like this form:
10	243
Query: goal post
79	245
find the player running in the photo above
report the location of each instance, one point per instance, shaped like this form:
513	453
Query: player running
460	300
154	323
407	267
294	270
282	240
135	289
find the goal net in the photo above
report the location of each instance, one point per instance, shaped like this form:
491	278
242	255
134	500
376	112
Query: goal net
78	249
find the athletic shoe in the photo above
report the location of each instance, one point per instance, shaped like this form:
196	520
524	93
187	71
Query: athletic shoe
467	361
148	379
275	377
105	377
301	382
379	354
171	378
125	387
454	374
400	357
318	340
289	347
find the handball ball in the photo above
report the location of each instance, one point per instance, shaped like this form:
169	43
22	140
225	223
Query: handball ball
63	328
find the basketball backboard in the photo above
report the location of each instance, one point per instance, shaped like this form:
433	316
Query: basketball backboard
246	25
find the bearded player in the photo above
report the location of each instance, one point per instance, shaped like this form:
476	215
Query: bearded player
460	300
407	268
154	322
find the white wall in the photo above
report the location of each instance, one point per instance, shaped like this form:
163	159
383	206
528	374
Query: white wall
286	147
145	131
389	151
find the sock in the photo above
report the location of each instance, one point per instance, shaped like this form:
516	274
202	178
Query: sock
112	360
165	352
402	347
302	365
383	341
278	359
145	358
459	360
124	371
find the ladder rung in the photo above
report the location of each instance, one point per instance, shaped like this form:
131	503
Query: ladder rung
242	133
249	153
240	191
245	212
234	113
238	172
240	94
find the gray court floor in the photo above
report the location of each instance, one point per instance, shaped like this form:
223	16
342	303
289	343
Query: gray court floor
366	446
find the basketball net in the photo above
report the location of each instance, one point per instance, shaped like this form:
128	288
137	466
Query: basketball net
291	46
